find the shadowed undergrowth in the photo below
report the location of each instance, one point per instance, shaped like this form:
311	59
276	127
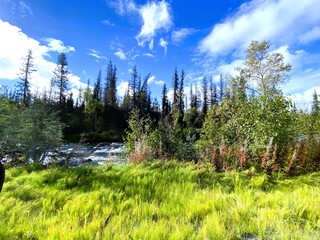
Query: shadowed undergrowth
157	201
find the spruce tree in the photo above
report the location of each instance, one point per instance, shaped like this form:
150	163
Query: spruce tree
97	92
165	105
205	95
181	93
110	90
126	103
314	127
60	79
175	83
213	93
242	94
315	109
27	68
222	91
197	96
113	87
133	86
143	96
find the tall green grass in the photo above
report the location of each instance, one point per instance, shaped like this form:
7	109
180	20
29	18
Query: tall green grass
157	201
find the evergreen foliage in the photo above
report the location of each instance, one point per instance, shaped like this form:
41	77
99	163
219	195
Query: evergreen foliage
27	68
181	93
31	132
165	102
205	95
97	91
133	86
110	91
60	79
243	122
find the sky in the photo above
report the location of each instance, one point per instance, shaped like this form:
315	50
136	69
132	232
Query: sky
203	37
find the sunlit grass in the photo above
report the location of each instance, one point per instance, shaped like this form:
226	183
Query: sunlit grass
157	201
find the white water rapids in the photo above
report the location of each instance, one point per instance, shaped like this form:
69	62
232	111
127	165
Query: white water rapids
84	153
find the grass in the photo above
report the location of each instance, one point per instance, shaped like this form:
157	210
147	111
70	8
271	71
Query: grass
157	201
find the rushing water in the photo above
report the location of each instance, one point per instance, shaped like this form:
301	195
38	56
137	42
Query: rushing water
80	154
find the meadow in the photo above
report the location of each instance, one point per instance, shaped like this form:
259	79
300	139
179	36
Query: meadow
158	200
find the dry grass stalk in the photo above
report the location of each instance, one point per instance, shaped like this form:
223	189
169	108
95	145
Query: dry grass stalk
140	152
268	160
294	157
243	156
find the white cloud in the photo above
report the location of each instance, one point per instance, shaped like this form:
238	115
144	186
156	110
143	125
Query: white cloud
14	45
96	54
123	7
299	59
122	88
186	89
24	9
151	44
304	100
163	43
276	20
302	80
114	45
229	68
155	16
312	35
121	54
135	56
18	6
148	55
75	85
305	72
170	95
213	67
56	45
289	26
108	23
153	80
179	35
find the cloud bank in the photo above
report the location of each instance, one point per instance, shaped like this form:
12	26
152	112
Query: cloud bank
14	46
280	21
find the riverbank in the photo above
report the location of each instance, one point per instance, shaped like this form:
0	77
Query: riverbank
157	201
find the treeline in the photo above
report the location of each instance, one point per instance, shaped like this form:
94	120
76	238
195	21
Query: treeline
31	125
97	113
237	123
245	124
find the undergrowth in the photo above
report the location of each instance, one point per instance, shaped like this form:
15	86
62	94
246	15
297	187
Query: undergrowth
157	201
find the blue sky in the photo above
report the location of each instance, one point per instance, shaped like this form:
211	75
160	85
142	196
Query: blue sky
204	37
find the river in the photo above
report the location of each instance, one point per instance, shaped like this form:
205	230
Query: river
80	154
